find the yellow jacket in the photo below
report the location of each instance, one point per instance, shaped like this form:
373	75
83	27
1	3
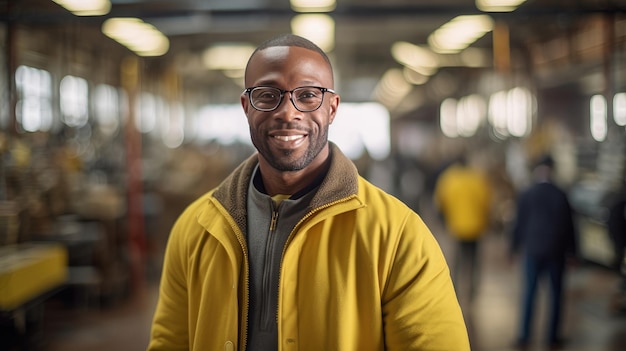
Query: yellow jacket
360	272
463	196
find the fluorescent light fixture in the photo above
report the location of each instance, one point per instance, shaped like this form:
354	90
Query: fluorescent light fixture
462	117
459	33
510	112
423	61
619	109
228	56
86	7
417	58
498	5
318	28
598	117
447	118
142	38
520	110
313	5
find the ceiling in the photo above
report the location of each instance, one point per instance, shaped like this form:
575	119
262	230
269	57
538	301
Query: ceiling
364	29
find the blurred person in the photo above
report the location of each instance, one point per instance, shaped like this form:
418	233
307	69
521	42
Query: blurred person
463	198
616	226
544	236
295	250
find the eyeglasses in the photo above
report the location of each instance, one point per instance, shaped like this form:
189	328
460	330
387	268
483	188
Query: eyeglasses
304	99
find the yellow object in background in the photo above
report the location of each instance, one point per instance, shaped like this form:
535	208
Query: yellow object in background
30	270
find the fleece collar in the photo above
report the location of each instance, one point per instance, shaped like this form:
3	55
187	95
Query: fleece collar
340	182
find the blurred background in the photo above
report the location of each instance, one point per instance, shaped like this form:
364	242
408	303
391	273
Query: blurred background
115	114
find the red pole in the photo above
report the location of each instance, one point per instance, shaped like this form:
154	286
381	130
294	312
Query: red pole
136	233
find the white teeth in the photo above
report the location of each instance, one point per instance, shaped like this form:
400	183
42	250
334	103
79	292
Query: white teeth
288	137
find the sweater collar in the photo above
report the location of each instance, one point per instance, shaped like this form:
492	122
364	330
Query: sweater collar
340	181
257	181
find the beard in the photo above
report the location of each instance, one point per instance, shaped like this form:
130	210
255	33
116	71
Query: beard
287	160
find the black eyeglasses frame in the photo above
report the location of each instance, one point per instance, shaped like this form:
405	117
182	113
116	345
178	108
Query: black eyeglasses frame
282	95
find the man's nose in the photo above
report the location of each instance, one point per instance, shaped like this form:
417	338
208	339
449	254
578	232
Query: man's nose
287	109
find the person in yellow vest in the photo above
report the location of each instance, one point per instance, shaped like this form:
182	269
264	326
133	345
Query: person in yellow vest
463	198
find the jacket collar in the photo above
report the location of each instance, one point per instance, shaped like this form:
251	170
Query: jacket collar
340	182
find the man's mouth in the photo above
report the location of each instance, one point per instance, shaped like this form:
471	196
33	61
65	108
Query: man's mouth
288	137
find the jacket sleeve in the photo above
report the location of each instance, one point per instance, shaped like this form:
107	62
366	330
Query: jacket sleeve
517	230
572	243
420	307
170	323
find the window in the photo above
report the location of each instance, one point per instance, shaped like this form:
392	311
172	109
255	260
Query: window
34	89
74	101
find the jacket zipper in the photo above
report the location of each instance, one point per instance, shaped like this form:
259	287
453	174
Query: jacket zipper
274	220
267	271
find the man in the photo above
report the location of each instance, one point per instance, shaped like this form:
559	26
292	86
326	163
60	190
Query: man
545	235
463	197
294	250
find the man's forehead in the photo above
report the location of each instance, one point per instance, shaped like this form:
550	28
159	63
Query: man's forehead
276	57
280	53
274	53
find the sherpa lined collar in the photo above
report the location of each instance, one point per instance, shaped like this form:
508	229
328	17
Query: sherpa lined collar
340	182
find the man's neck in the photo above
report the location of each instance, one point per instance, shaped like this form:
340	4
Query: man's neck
281	182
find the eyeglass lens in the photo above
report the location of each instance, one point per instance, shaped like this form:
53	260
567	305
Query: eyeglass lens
304	99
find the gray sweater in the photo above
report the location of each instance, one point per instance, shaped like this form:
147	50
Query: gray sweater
269	227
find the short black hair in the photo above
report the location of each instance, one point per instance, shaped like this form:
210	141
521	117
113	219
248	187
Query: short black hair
291	40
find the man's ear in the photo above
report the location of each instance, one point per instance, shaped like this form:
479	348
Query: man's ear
334	104
244	102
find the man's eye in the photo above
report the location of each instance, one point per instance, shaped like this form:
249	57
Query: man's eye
268	95
307	94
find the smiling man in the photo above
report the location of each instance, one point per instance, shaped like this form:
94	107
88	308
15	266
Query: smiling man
295	250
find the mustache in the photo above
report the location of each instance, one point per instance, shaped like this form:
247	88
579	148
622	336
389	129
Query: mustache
288	125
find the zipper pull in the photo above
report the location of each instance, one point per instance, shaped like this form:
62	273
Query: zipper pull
274	220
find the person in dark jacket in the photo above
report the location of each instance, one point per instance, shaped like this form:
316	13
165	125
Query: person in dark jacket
616	226
544	237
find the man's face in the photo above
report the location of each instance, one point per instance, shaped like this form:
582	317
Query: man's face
287	139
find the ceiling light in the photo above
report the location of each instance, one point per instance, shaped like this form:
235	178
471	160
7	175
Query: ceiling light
318	28
313	5
598	117
419	59
86	7
228	56
142	38
498	5
459	33
619	109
